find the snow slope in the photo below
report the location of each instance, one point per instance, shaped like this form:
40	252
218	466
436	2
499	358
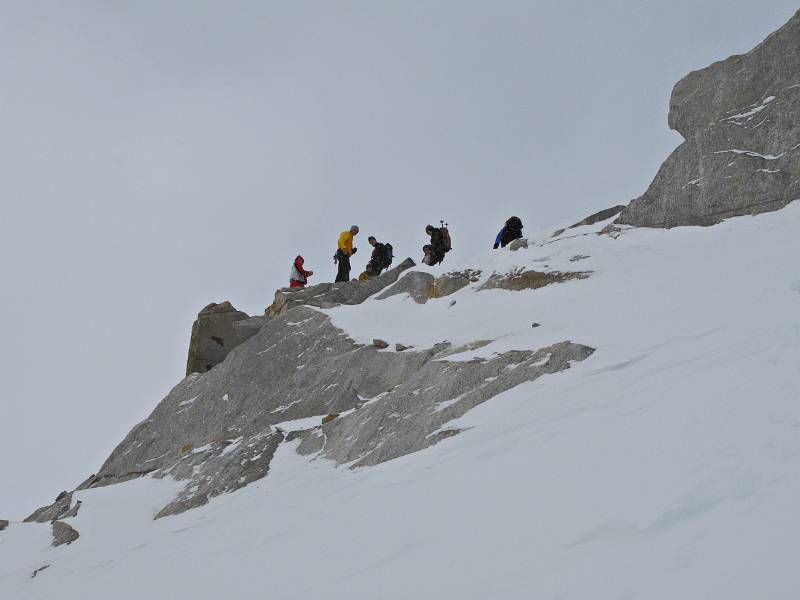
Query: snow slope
667	465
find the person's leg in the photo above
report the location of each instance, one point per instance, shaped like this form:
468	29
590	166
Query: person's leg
344	269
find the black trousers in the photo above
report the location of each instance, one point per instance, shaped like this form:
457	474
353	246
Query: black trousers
344	268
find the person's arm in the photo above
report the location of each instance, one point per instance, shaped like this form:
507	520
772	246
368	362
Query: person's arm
498	238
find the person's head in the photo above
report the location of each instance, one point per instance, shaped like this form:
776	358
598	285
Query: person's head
429	229
299	259
372	241
354	230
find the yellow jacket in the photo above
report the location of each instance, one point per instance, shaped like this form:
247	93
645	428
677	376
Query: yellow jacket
346	242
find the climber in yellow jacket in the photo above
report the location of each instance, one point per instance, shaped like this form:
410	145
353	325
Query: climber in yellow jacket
344	252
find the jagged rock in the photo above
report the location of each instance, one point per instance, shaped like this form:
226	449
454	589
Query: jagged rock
72	512
530	280
381	344
518	244
297	366
3	524
87	483
56	510
599	216
536	325
63	533
414	415
578	257
450	283
328	295
219	328
401	348
423	286
741	156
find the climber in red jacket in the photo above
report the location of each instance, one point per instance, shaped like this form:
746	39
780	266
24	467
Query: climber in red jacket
299	276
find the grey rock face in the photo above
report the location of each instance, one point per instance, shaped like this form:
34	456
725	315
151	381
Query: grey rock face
328	295
740	118
417	284
423	286
56	510
219	431
530	280
219	328
415	414
63	533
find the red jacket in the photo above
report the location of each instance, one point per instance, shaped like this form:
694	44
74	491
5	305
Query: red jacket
298	277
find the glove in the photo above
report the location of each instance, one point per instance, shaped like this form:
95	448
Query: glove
495	246
310	273
354	250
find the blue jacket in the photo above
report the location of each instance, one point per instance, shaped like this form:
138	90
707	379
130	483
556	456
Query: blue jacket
499	235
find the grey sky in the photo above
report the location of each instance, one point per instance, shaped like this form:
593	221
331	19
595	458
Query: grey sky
157	156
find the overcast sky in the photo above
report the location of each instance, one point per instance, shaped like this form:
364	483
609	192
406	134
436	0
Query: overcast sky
156	156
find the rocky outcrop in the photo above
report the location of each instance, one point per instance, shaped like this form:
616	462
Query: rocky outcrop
740	118
57	510
219	431
415	414
598	217
421	286
328	295
530	280
63	533
3	524
219	328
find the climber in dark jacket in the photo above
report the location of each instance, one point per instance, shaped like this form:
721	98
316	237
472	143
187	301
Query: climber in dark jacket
381	258
511	231
434	252
298	276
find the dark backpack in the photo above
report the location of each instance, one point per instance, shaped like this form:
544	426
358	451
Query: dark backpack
514	225
387	255
447	243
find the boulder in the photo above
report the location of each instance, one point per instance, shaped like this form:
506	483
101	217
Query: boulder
3	524
328	295
380	344
741	153
530	280
417	284
421	286
518	244
63	533
218	329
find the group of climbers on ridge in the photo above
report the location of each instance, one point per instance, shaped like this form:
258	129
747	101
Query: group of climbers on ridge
382	253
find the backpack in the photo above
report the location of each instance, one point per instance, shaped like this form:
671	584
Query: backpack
447	243
387	255
514	224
